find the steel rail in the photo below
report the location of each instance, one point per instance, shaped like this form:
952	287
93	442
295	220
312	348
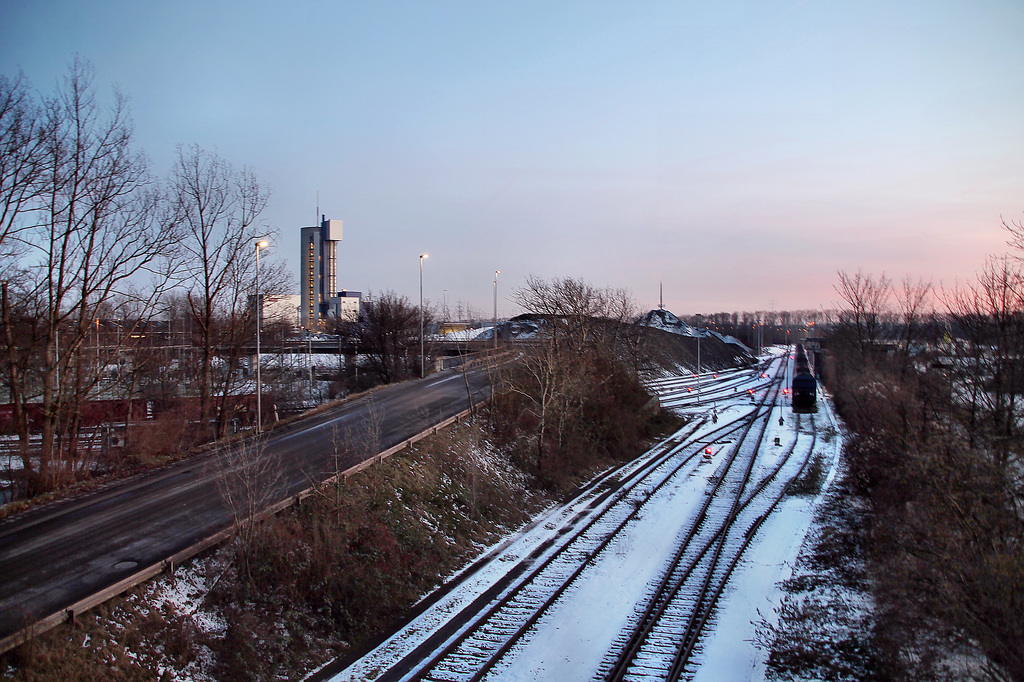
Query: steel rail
424	669
686	651
669	585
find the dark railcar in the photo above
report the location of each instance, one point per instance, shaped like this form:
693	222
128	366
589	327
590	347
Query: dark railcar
802	364
805	393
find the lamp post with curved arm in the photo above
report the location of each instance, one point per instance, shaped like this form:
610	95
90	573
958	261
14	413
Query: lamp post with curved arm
422	256
260	245
496	273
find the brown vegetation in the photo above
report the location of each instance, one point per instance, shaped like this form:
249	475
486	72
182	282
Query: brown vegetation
574	389
82	224
389	333
935	452
823	629
314	582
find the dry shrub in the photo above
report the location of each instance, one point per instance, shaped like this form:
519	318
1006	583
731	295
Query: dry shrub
164	436
822	630
244	653
946	540
88	650
568	412
354	558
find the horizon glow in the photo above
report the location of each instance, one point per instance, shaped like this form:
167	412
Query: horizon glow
740	153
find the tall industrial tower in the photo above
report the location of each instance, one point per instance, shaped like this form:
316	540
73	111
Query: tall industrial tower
319	257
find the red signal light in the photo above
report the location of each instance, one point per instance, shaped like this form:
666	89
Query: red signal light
707	451
750	391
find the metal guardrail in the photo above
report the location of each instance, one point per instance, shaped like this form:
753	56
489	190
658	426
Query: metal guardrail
69	613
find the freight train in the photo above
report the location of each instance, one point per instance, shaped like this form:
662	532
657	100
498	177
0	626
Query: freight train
804	386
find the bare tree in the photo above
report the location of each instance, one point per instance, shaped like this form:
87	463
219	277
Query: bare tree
989	315
1015	228
867	306
548	379
627	338
88	225
20	162
559	380
217	208
570	305
389	333
938	454
23	353
912	303
249	479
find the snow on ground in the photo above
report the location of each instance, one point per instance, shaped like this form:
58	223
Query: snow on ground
666	321
753	593
502	557
576	635
469	334
663	319
303	360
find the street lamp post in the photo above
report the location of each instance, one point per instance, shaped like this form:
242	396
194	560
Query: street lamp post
422	256
496	273
260	245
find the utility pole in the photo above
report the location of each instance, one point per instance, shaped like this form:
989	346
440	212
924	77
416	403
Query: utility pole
261	244
422	256
698	358
496	273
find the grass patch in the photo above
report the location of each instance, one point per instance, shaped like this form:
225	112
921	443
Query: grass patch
824	629
810	481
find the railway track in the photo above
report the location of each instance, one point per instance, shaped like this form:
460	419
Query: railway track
667	629
679	605
709	389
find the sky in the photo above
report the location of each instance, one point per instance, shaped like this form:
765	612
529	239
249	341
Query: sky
738	153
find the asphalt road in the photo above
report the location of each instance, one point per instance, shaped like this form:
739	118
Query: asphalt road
53	556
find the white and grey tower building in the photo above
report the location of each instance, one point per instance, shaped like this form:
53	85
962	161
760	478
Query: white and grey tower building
319	271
